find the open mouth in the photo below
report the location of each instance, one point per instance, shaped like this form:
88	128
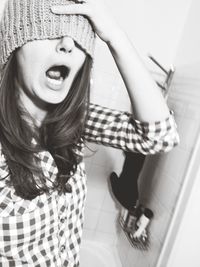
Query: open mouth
57	74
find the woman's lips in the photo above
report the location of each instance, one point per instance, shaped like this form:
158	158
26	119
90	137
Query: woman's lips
54	84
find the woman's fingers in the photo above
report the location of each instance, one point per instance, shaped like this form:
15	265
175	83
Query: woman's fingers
81	1
96	11
71	9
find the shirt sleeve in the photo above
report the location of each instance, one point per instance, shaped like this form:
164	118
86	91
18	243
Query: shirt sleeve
119	130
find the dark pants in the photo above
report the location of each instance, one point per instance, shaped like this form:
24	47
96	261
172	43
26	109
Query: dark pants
125	188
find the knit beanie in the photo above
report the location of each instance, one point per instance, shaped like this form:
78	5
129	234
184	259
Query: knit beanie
28	20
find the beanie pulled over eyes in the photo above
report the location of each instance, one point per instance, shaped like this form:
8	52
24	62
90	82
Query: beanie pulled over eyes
27	20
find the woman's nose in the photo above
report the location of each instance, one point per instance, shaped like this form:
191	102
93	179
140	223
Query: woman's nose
66	45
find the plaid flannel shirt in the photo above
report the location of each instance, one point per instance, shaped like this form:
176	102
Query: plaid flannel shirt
46	231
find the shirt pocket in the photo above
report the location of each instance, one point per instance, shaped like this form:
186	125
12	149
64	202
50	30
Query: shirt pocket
13	205
25	225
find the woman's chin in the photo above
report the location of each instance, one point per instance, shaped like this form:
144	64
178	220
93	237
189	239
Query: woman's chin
52	96
53	100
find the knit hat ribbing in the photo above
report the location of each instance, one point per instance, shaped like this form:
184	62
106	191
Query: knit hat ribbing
28	20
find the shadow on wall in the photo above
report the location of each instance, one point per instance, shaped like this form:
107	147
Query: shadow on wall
146	179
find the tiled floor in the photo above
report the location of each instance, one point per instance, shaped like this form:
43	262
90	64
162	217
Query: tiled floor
98	255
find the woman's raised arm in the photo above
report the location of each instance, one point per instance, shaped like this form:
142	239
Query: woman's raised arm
147	101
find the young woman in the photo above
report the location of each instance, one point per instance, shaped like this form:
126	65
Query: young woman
46	54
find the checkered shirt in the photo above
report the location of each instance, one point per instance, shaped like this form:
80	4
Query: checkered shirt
46	231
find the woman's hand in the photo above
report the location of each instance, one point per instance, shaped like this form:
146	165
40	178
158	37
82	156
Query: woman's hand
146	98
97	12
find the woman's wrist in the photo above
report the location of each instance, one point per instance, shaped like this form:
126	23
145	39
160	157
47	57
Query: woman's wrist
119	42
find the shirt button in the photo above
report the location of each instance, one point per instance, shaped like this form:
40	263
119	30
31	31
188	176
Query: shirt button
62	248
68	188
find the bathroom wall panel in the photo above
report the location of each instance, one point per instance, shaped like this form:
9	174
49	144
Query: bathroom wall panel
123	247
151	30
185	244
161	220
108	222
189	125
165	181
100	237
95	197
91	218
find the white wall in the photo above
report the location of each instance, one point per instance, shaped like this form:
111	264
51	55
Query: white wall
182	242
186	246
2	3
155	27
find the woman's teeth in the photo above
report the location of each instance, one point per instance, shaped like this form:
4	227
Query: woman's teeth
54	74
54	77
55	81
57	74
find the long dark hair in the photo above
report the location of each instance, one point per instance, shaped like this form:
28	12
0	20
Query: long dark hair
60	133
